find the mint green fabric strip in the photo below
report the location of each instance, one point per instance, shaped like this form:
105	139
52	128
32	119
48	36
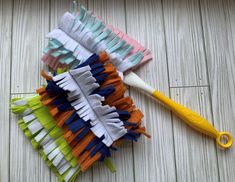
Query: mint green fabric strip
136	58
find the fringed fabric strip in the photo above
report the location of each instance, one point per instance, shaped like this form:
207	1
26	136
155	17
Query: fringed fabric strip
38	126
77	133
77	36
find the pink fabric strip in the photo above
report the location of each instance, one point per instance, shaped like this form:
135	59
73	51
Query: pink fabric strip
54	62
51	61
137	46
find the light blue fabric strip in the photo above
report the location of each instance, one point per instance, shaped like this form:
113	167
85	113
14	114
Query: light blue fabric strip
117	46
55	54
82	13
110	37
99	30
113	42
96	25
125	51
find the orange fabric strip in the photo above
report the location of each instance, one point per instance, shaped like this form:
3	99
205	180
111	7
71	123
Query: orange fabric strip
90	161
45	75
79	148
40	90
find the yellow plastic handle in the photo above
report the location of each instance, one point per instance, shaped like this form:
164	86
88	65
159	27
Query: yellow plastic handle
195	120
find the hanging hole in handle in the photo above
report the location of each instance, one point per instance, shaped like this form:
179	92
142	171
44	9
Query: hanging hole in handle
224	140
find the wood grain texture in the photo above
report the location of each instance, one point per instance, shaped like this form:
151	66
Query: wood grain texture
218	23
30	26
26	164
195	153
186	57
113	12
193	44
5	71
57	9
153	159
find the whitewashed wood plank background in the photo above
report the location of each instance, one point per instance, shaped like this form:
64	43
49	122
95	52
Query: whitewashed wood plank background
5	82
145	23
193	46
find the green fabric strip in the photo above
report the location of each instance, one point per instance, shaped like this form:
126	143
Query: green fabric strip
54	132
47	121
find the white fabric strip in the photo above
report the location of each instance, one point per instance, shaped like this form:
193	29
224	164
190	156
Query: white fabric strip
27	112
85	37
64	168
49	148
79	51
29	117
35	126
53	154
70	173
40	136
44	140
21	102
58	159
62	162
104	120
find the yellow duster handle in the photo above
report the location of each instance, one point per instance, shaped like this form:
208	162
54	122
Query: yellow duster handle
194	120
191	118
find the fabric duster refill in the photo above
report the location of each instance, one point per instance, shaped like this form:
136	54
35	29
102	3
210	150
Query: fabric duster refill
78	36
79	116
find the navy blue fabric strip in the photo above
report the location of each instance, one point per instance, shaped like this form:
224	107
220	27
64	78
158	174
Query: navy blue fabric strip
105	152
54	73
65	106
127	123
92	143
97	71
62	103
123	115
100	78
97	68
83	133
102	157
77	125
129	137
60	100
97	65
93	58
133	133
71	118
106	91
97	148
53	89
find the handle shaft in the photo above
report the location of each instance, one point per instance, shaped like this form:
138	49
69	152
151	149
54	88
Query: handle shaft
194	120
191	118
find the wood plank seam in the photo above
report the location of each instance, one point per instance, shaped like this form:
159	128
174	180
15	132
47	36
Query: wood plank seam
169	86
132	145
208	80
11	53
192	86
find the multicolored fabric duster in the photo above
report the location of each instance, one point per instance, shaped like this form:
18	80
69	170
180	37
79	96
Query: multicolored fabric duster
82	113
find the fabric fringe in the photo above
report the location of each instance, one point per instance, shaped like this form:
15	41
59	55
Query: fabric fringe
77	37
38	126
63	115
